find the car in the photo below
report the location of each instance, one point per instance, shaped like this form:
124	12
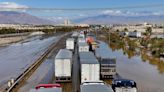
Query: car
124	85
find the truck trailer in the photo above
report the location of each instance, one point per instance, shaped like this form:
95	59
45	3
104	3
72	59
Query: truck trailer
83	47
95	87
70	43
81	40
107	68
63	66
89	67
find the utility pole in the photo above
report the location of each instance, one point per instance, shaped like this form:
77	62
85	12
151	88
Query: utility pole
163	32
109	29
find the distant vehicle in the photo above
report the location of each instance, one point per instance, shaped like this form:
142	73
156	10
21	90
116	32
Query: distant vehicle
89	39
89	67
81	35
124	85
70	43
63	66
95	86
81	40
75	35
47	88
83	47
94	45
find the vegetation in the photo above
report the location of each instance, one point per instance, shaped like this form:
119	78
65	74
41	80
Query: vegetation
117	30
157	47
125	30
46	30
11	30
144	42
148	31
128	46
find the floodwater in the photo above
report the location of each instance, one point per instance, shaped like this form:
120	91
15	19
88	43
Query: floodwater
16	58
148	72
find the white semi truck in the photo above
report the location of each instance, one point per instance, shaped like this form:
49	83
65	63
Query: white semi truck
63	66
90	67
96	86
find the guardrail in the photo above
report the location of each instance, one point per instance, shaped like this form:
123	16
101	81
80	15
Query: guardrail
22	77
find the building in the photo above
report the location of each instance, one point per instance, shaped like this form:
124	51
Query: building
66	22
134	34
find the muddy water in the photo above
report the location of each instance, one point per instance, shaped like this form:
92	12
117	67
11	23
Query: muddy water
147	71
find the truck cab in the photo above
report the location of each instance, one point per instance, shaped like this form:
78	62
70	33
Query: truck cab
47	88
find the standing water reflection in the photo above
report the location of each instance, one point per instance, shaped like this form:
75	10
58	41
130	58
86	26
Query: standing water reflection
132	63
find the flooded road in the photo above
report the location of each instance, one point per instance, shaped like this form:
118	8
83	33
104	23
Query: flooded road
147	72
45	73
15	58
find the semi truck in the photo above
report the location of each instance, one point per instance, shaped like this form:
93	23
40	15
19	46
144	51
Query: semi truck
70	43
83	47
96	86
107	68
63	66
107	62
89	67
81	40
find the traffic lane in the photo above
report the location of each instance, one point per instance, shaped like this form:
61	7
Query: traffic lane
67	86
76	69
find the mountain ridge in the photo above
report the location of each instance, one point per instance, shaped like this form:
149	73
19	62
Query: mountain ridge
113	19
12	17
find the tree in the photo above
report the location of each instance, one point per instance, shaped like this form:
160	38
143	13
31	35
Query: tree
135	30
125	30
117	30
148	31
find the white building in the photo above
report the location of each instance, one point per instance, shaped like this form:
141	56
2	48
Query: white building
134	34
66	22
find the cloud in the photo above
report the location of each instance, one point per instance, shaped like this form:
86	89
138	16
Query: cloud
130	13
58	18
10	6
112	12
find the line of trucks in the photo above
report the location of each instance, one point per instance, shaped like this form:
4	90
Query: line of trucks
93	67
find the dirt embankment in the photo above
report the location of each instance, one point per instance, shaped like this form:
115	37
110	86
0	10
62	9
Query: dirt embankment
8	40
